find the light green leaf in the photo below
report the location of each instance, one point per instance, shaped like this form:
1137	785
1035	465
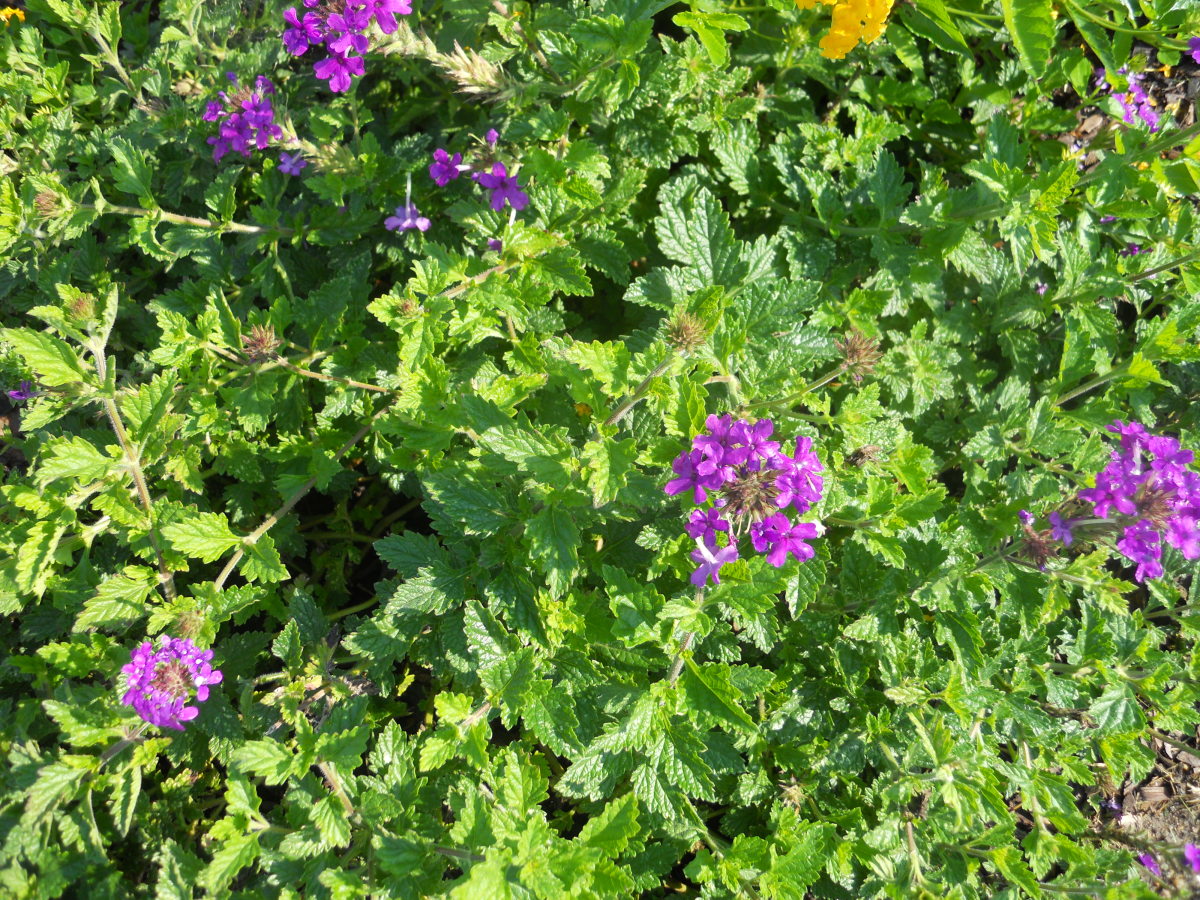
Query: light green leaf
206	536
52	360
1031	25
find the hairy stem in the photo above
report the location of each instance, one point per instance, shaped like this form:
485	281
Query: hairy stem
178	219
640	391
288	505
166	579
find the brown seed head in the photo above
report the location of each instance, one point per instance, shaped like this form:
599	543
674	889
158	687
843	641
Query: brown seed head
686	333
1155	504
261	343
1038	547
172	677
859	354
46	203
752	494
82	308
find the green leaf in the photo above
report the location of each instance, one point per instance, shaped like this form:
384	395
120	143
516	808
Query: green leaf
710	694
710	27
34	566
553	539
74	458
614	828
52	360
235	854
55	783
126	789
119	599
131	173
261	562
1031	25
206	536
609	462
268	759
1117	710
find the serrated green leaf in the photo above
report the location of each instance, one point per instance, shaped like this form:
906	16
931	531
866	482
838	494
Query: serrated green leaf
206	536
53	361
1030	23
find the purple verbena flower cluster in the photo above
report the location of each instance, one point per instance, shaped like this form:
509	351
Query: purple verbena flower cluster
161	682
753	485
488	174
340	27
1135	103
246	118
1148	488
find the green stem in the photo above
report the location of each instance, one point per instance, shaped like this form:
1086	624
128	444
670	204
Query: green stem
177	219
1114	372
287	507
1175	263
807	389
640	391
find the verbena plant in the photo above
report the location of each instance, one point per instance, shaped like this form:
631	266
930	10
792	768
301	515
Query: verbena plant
594	449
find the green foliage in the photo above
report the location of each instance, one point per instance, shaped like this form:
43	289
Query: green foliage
409	489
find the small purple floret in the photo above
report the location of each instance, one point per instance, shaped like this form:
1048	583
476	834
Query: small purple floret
161	683
24	391
445	168
246	117
1060	529
291	164
407	217
504	188
1191	852
1149	862
1194	48
710	562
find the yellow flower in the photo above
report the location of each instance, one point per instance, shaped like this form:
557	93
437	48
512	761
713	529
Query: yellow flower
853	21
6	14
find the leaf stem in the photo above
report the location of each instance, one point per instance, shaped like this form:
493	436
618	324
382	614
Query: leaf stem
640	391
166	580
178	219
807	389
1114	372
262	529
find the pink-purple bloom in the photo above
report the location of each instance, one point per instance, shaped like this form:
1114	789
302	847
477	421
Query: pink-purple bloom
407	217
246	119
709	562
504	188
24	391
1194	48
1191	852
1132	249
162	682
1148	488
291	164
491	137
1060	529
495	244
341	27
445	168
752	484
1150	863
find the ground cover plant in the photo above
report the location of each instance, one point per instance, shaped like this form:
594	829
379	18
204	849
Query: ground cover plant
599	449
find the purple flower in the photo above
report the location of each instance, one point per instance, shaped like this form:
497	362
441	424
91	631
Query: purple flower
1060	529
338	69
406	218
1194	48
1026	517
504	188
24	391
1132	250
1148	861
161	682
1190	851
1142	544
710	562
777	537
445	168
1041	288
290	164
750	445
495	244
344	31
384	12
491	137
246	120
799	484
1104	220
685	466
704	524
